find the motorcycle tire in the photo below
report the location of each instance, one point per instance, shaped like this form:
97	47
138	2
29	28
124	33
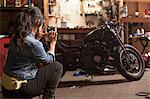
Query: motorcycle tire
133	68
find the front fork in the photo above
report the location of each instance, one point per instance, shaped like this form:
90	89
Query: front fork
122	46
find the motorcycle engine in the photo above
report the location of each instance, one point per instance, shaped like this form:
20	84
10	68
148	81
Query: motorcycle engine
94	54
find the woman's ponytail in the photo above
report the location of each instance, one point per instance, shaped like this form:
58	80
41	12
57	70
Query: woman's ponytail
25	21
23	27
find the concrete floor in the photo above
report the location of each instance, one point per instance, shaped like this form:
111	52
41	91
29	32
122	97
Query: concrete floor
103	87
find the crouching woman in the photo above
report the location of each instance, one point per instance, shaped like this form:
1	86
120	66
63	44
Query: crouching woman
22	78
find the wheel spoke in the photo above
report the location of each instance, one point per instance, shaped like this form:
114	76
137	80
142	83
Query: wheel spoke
131	65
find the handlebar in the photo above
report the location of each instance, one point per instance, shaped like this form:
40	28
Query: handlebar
114	25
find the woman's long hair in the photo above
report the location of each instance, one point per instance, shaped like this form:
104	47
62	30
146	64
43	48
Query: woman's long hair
25	21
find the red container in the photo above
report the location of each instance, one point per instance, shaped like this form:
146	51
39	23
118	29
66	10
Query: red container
146	58
4	43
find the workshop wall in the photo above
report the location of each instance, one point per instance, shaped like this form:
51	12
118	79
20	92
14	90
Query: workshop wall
74	13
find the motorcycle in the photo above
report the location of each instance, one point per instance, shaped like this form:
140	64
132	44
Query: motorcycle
102	48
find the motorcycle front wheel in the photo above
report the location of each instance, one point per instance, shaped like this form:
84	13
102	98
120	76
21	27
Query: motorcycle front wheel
130	63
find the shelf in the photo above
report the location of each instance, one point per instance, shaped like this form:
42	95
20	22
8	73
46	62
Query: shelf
51	15
52	4
135	19
91	14
126	20
11	9
73	36
137	1
74	30
70	40
137	6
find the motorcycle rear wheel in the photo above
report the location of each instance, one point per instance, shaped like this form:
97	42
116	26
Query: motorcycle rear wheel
133	66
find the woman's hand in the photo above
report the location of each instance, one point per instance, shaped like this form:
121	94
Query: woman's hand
53	36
